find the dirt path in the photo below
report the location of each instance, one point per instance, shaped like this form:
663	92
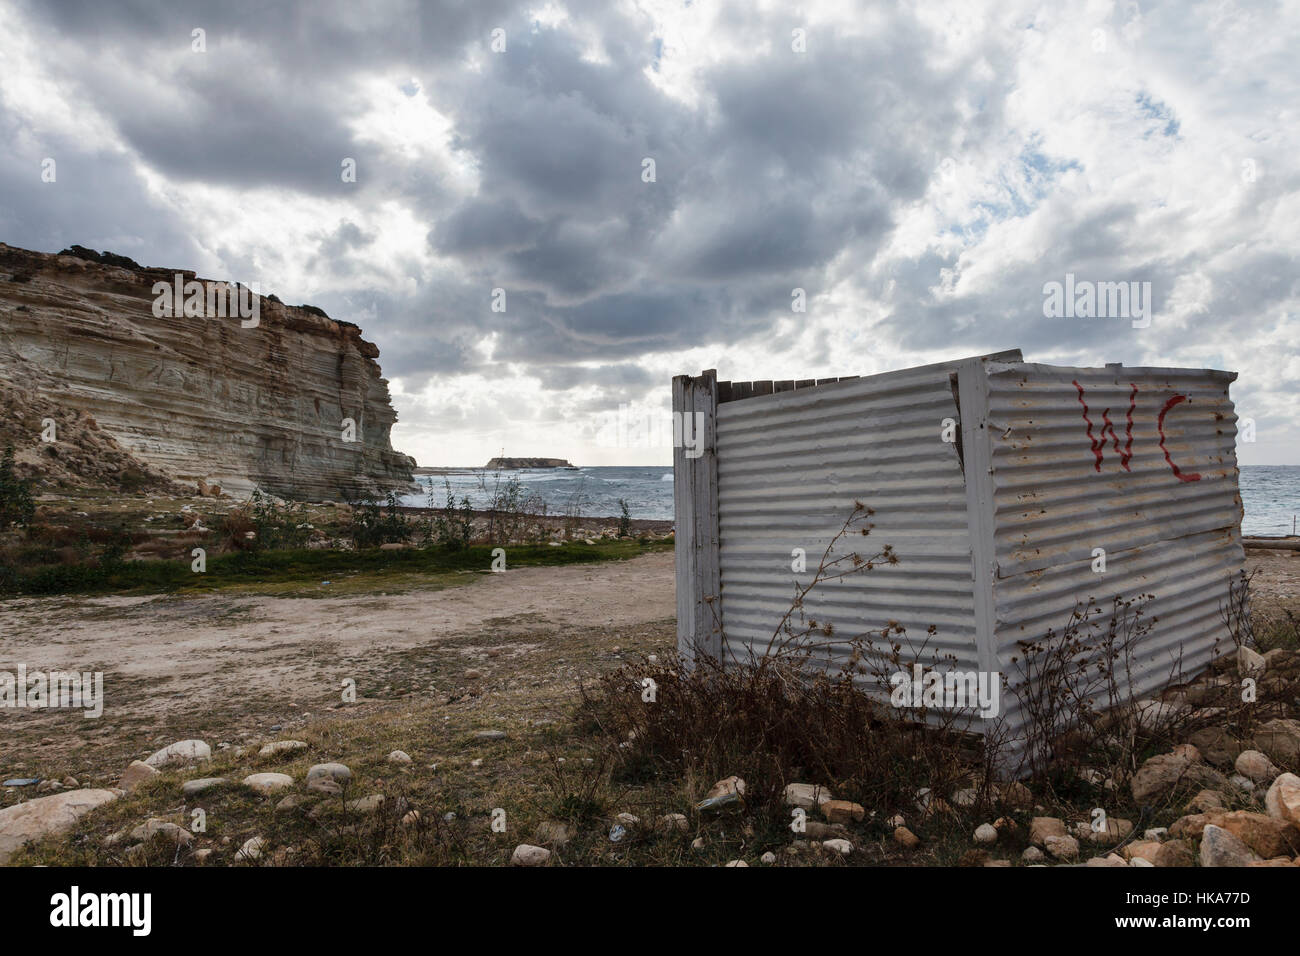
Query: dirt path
192	648
231	667
183	651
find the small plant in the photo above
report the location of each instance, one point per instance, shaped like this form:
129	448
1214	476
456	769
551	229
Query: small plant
509	509
452	525
1074	685
625	520
16	503
276	525
780	715
374	523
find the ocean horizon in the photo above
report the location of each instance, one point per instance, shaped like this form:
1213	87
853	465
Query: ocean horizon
1270	494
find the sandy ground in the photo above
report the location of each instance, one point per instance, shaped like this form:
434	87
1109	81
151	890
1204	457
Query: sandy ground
231	662
192	649
1276	582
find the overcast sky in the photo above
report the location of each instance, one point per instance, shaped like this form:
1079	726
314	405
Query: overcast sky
920	172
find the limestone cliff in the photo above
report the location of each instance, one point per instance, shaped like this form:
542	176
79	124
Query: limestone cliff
185	397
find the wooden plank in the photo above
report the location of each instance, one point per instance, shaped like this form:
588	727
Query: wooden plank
724	392
786	385
695	509
805	383
762	388
742	390
827	381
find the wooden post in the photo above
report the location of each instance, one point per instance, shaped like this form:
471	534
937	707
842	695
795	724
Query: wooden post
695	509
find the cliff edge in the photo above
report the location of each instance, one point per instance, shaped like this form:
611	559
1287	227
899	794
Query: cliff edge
292	401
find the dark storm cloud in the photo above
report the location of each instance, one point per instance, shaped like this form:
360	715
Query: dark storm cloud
334	250
796	165
782	170
794	162
96	200
268	103
626	377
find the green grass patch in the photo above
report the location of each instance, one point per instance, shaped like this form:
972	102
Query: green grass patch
291	571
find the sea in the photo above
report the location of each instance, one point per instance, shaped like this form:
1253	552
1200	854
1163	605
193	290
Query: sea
1270	494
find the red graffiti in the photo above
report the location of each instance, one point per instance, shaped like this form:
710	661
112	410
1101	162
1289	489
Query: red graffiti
1098	445
1128	445
1108	425
1160	423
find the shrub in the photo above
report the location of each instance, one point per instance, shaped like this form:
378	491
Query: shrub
374	524
452	525
16	503
234	528
276	525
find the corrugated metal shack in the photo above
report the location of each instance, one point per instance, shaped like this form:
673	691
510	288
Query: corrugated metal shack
994	480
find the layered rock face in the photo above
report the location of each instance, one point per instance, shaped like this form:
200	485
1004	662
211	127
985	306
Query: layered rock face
188	397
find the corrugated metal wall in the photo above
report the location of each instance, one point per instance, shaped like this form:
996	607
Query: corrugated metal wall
995	537
790	466
1140	462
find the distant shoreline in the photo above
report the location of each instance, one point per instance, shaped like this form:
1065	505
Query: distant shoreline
589	523
473	469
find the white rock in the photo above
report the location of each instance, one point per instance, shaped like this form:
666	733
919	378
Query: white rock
56	813
251	850
736	863
136	773
367	804
180	753
337	772
528	855
1250	663
842	847
1282	802
1221	848
1062	847
1242	783
192	788
399	756
768	858
808	796
1255	766
150	828
986	833
268	783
